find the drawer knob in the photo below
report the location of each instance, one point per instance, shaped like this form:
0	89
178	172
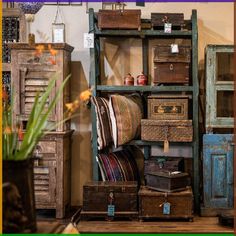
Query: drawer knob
171	67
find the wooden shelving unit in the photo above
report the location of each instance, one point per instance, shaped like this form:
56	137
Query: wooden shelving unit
145	35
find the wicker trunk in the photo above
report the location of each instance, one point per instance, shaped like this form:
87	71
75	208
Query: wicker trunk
115	19
151	204
170	130
97	196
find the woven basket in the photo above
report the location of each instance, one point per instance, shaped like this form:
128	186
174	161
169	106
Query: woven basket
171	130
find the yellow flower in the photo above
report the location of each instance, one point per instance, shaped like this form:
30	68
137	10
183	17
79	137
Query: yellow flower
85	95
7	130
69	106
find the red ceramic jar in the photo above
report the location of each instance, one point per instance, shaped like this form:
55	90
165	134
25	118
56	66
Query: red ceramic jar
129	79
142	79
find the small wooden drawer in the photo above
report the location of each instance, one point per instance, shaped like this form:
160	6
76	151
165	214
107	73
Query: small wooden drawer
162	53
116	19
171	73
31	58
168	107
166	181
170	130
158	19
151	204
46	147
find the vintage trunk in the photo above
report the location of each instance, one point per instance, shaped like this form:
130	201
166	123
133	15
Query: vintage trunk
152	204
156	164
168	107
171	67
116	19
170	130
166	181
98	195
176	19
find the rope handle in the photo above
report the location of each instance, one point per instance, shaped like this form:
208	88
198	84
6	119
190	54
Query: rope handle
58	14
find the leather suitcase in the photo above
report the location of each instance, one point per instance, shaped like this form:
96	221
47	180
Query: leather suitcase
152	204
156	164
176	19
166	181
116	19
98	195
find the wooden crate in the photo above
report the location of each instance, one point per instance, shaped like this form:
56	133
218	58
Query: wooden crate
97	197
154	164
168	107
116	19
171	130
171	73
151	204
176	19
166	181
171	68
162	53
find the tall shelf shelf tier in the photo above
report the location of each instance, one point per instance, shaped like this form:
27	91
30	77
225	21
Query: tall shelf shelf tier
145	35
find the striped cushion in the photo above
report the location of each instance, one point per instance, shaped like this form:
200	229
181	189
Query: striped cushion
126	114
118	166
103	121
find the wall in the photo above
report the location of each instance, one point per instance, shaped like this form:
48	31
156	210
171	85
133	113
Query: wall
215	26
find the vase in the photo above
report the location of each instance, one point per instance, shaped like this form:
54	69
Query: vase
20	175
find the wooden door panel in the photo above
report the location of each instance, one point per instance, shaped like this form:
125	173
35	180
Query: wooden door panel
218	170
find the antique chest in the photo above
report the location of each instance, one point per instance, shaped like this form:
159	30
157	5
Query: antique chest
168	107
156	164
100	197
167	130
117	19
159	19
166	181
153	204
169	67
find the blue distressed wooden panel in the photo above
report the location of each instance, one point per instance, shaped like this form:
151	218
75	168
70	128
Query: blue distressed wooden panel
218	170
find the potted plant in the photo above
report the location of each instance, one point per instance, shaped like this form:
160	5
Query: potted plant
18	148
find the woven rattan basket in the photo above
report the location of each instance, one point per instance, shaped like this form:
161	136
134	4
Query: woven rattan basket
171	130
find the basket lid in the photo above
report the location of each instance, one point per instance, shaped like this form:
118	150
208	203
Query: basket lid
168	96
166	122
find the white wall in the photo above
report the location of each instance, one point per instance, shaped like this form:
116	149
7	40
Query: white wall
215	26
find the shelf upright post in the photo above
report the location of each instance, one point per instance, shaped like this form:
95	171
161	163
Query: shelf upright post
147	148
195	110
93	84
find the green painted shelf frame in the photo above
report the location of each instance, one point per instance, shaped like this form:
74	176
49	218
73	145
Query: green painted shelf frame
145	35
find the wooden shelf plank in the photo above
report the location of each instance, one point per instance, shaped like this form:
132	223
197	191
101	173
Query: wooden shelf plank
142	33
159	143
145	88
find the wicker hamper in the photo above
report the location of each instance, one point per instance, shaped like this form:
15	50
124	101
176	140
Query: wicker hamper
171	130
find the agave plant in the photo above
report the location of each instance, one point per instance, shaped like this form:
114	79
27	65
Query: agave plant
18	145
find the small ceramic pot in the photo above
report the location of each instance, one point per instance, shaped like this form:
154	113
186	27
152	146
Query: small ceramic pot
129	79
142	79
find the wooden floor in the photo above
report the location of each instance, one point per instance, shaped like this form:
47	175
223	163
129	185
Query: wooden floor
199	225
